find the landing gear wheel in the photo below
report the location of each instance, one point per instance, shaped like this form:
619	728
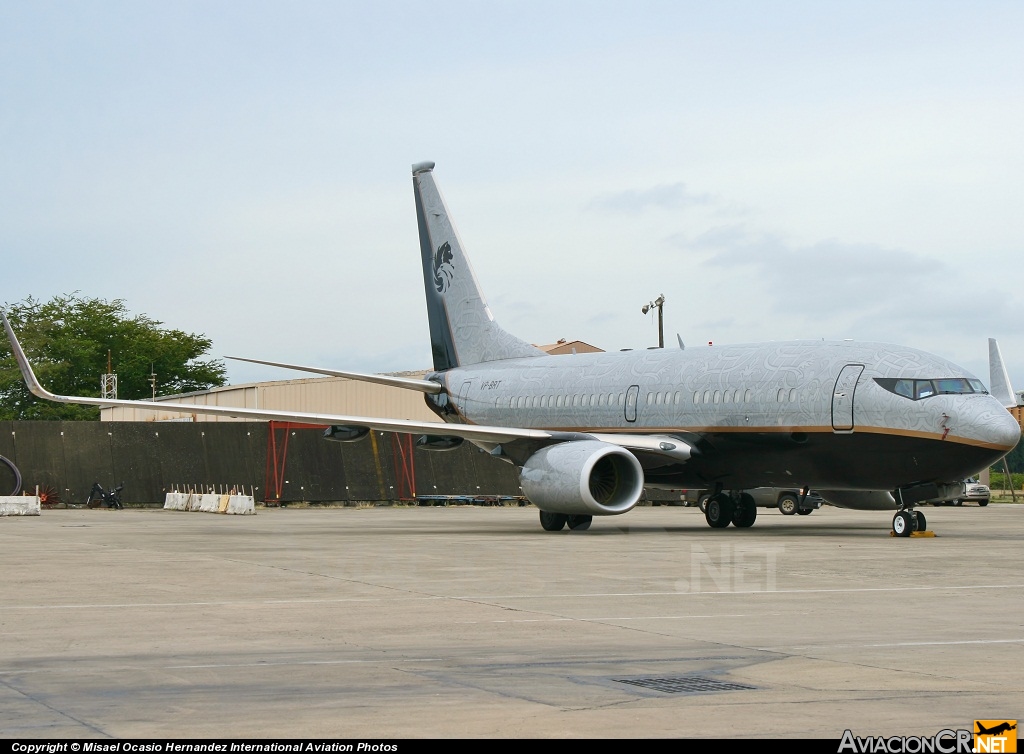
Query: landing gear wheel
553	521
805	511
719	512
922	522
788	505
702	502
579	523
902	524
958	502
746	512
982	503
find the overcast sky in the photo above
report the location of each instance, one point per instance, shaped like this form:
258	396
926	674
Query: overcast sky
778	170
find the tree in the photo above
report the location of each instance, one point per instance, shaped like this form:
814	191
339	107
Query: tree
1015	459
67	339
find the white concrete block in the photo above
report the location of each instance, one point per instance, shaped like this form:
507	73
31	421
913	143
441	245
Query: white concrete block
241	505
176	501
20	505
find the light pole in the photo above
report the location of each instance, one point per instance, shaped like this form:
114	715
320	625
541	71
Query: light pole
660	304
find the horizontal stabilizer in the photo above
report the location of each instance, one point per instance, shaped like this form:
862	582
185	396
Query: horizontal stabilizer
406	383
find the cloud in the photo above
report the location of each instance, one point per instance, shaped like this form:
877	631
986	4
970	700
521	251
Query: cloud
832	274
667	196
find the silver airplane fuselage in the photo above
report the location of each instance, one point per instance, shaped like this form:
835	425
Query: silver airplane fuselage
803	413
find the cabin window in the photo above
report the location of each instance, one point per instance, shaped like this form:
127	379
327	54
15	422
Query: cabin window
678	398
780	395
558	401
747	395
622	399
696	397
726	396
792	395
717	397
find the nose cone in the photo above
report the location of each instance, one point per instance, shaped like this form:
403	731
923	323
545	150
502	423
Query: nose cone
1002	430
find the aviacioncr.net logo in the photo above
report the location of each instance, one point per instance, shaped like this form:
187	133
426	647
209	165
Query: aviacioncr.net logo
944	742
995	736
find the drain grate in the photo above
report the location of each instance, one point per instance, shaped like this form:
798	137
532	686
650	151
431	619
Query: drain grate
692	684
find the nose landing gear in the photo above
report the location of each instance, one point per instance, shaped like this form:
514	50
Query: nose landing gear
908	522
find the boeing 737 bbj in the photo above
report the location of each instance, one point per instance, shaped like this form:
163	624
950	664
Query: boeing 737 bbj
867	425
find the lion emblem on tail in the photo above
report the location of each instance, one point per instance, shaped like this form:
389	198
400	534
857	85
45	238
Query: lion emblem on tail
444	270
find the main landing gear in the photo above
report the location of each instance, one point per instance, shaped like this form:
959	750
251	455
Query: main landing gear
558	521
907	521
724	509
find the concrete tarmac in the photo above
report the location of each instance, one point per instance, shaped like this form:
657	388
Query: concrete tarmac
379	623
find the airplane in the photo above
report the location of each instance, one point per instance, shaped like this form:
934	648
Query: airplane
995	730
867	425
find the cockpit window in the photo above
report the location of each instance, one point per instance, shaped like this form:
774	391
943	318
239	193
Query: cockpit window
918	389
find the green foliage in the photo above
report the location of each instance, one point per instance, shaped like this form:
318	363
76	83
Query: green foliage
997	480
67	338
1015	459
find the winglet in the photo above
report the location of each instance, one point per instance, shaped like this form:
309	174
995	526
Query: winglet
26	368
999	380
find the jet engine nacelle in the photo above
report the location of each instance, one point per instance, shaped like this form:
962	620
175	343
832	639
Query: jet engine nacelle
583	477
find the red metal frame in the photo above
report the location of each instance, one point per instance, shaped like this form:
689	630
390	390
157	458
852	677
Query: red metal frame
405	470
277	456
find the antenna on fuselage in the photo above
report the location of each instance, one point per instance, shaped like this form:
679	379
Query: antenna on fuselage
680	339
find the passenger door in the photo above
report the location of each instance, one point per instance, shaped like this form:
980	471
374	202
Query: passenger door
842	397
631	399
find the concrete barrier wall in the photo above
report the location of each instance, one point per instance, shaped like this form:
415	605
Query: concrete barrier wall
234	505
154	459
19	505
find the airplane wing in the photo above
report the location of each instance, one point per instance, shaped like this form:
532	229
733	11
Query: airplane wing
668	447
467	431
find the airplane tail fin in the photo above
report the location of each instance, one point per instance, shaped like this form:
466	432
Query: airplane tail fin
999	380
462	328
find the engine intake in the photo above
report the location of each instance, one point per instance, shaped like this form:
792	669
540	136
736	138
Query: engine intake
583	477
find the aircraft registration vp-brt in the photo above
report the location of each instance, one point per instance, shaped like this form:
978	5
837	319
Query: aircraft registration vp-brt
866	425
